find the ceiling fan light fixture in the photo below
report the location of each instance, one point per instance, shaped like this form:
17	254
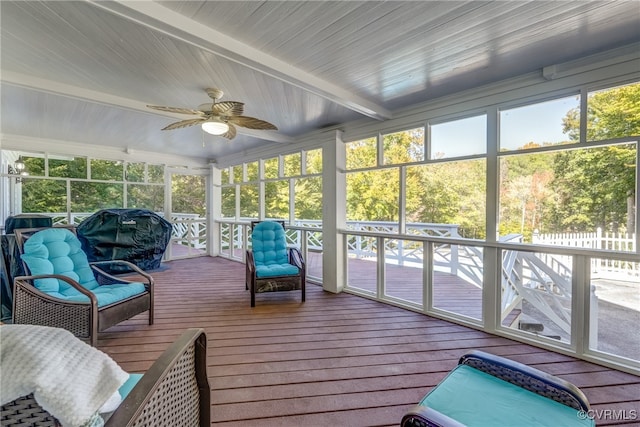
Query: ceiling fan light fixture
215	127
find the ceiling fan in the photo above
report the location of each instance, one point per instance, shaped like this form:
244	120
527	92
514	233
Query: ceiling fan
216	118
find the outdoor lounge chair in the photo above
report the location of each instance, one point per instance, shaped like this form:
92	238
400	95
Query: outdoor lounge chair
271	265
488	390
174	392
62	289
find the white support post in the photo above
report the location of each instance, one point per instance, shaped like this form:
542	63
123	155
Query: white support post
214	210
334	211
492	263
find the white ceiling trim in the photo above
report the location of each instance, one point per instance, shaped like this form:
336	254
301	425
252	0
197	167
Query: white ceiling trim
74	92
173	24
77	148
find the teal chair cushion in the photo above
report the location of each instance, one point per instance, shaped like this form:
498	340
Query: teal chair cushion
128	385
276	270
475	398
58	251
270	253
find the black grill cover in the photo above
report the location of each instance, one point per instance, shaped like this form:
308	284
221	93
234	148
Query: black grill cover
26	221
135	235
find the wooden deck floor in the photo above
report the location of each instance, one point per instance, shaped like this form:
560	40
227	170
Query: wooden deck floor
336	360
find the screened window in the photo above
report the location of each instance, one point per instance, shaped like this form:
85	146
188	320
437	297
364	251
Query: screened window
362	154
228	209
107	170
271	168
224	176
155	174
613	113
249	201
75	167
308	198
457	138
542	124
237	173
276	199
43	195
135	172
373	195
252	171
447	199
93	196
571	192
403	147
292	164
141	196
314	161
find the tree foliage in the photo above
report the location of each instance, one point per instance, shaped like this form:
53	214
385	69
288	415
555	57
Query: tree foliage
592	185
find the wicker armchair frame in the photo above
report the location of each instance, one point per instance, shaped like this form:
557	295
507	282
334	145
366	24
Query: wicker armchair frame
173	392
83	319
275	283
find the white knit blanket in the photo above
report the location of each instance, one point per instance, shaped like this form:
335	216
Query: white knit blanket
68	378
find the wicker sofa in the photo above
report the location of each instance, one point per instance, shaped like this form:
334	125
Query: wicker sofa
173	392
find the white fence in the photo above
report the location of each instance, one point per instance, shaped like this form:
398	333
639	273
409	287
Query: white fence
620	242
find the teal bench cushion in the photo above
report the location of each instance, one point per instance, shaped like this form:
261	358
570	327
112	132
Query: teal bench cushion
58	251
475	398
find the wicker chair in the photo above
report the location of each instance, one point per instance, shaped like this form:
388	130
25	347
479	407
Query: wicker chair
174	392
83	319
271	265
485	389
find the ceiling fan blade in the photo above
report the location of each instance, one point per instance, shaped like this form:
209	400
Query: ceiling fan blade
227	108
231	133
251	123
176	110
184	124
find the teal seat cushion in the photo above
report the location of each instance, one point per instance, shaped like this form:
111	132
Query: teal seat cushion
475	398
58	251
131	382
106	294
275	270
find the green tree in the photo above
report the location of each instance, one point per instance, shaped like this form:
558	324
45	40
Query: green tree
595	187
188	194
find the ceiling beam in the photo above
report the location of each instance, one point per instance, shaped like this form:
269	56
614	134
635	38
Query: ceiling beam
69	91
175	25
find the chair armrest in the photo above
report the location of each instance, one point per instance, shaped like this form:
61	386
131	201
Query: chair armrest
423	416
105	278
295	258
529	378
251	265
174	390
22	280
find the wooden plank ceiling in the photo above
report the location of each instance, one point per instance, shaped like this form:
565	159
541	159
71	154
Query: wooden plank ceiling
84	71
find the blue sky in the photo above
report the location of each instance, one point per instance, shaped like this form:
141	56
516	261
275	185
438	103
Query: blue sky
539	123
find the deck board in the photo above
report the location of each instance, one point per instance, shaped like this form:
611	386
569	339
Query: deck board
336	360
